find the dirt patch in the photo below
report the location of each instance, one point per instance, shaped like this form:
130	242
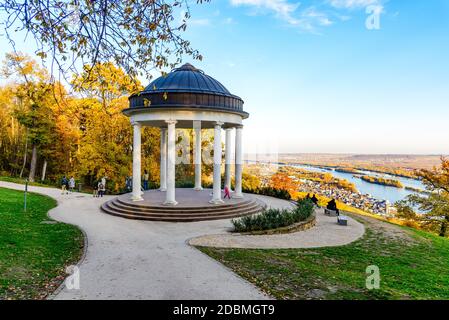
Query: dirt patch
388	230
16	272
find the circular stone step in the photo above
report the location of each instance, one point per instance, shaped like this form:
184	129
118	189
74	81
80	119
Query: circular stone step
192	206
160	213
179	209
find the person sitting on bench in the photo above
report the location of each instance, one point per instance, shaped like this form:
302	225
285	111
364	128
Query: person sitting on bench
315	200
332	205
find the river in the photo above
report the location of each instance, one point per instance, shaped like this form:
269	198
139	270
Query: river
376	191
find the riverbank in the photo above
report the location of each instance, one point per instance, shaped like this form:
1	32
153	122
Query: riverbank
317	181
359	169
380	192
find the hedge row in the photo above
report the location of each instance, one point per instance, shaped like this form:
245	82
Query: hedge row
274	218
269	191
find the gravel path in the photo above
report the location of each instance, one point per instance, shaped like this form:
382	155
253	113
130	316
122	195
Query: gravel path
326	233
130	259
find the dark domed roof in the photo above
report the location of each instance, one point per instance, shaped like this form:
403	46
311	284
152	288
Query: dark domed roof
187	79
187	87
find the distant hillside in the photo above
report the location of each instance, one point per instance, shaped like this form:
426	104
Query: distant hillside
393	161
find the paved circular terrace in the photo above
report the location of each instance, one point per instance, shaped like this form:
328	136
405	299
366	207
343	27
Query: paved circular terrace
131	259
193	205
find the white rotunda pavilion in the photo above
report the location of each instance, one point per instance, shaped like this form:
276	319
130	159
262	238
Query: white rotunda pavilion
188	98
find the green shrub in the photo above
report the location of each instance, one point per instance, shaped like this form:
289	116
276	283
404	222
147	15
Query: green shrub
269	191
274	218
191	184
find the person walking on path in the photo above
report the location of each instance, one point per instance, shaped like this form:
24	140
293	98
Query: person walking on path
95	192
64	184
128	184
227	193
72	184
101	188
146	177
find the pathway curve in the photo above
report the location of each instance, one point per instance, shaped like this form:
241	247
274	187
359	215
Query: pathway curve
131	259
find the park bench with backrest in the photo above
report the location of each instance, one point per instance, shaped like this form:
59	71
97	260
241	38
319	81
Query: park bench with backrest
342	220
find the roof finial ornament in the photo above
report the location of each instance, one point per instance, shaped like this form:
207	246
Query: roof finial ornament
187	67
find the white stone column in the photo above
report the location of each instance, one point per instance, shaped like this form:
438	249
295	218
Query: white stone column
171	162
163	170
137	162
238	163
197	154
228	154
216	195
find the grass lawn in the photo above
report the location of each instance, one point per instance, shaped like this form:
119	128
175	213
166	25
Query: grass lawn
33	254
84	189
413	265
22	181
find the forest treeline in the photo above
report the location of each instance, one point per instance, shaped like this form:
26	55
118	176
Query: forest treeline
47	131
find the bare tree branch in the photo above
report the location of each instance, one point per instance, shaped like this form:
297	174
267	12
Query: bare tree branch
136	35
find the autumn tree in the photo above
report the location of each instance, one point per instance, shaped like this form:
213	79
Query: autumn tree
435	205
250	181
283	181
136	35
60	154
328	178
404	211
35	94
83	133
11	133
106	135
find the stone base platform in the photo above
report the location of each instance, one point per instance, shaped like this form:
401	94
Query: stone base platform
192	206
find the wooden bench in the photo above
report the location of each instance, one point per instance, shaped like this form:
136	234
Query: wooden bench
330	213
342	220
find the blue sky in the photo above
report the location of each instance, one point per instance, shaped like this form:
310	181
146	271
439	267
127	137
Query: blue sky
319	81
315	79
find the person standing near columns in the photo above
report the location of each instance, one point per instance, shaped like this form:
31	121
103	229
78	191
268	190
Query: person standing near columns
216	195
238	162
228	160
163	170
136	194
171	164
197	154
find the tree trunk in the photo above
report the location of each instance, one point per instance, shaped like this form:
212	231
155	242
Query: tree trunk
33	164
44	170
444	224
24	154
13	131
